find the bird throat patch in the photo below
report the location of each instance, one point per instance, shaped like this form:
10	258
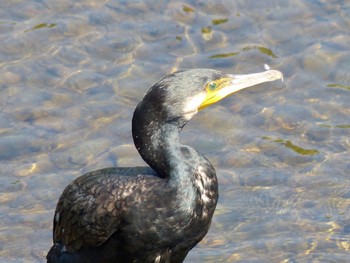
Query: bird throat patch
192	105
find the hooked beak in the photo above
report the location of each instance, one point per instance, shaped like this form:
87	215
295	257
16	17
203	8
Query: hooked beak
233	83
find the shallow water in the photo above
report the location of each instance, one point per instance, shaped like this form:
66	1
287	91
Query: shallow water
73	71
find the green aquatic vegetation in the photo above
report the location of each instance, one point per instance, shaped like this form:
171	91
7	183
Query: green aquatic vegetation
343	126
42	25
224	55
206	30
325	125
288	144
300	150
7	23
339	126
263	50
339	86
219	21
16	182
187	9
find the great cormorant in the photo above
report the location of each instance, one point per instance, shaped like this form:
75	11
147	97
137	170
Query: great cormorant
157	213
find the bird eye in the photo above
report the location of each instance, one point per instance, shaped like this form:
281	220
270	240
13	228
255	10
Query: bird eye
212	86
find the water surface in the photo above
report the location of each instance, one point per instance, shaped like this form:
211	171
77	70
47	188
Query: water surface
73	71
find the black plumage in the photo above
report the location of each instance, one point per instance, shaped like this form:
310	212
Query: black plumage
148	214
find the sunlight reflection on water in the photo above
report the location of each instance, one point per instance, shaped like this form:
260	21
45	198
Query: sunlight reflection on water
72	74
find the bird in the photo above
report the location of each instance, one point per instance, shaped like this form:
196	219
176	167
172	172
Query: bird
156	213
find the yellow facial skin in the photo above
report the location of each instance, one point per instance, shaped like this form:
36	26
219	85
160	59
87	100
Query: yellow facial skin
213	91
218	89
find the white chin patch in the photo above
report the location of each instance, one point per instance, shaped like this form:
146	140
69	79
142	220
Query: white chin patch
192	105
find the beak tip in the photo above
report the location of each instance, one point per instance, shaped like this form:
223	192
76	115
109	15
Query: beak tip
275	75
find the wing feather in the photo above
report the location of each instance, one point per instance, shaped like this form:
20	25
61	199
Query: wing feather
90	209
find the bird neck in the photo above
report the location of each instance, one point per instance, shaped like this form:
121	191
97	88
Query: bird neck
157	141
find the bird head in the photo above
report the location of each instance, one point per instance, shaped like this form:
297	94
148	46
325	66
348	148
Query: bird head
182	94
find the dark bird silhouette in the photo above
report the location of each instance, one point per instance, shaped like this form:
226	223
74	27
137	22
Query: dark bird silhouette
156	213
